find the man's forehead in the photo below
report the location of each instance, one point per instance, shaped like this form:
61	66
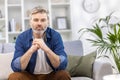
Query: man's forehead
39	16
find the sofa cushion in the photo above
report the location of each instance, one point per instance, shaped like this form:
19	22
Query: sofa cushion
81	65
5	65
74	47
8	47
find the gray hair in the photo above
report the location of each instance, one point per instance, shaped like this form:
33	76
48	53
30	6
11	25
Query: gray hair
38	9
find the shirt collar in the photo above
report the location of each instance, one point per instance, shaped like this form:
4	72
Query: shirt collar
30	35
48	33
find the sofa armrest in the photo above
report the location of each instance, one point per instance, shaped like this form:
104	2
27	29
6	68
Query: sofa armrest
101	68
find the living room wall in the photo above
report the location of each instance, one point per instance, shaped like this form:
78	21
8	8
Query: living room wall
81	18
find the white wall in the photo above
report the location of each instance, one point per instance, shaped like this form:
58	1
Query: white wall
81	18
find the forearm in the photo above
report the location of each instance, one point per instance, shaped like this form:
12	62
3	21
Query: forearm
25	59
54	59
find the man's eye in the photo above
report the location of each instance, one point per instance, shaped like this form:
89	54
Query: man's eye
43	20
36	20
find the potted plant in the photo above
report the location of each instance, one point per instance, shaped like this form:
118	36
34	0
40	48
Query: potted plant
106	38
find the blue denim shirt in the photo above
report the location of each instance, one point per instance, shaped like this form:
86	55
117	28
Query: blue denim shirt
24	42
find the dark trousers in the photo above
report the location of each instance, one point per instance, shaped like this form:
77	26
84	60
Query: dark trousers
59	75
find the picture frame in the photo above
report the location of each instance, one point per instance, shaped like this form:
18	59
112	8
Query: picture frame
61	22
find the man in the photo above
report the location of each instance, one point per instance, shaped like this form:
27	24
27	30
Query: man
39	51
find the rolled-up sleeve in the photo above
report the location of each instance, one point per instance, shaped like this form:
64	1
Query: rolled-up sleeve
63	62
16	66
16	63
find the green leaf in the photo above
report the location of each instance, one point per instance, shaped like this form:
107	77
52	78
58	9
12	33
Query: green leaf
108	41
96	31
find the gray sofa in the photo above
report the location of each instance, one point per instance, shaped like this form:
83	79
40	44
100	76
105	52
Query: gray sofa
100	68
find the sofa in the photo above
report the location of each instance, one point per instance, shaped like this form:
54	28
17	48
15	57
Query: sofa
99	69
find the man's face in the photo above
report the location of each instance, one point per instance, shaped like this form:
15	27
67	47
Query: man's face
39	22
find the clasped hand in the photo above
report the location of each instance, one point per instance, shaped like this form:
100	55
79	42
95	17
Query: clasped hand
39	44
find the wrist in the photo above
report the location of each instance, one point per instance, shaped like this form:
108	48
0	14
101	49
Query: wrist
47	50
31	50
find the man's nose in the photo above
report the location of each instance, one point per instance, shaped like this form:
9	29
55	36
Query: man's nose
39	22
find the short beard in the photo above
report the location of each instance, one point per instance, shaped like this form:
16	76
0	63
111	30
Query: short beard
39	32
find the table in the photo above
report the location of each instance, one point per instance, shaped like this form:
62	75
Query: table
112	77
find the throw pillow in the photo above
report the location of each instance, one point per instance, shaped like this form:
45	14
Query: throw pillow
81	65
5	65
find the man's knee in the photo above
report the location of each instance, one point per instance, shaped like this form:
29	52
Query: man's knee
63	74
21	76
14	76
